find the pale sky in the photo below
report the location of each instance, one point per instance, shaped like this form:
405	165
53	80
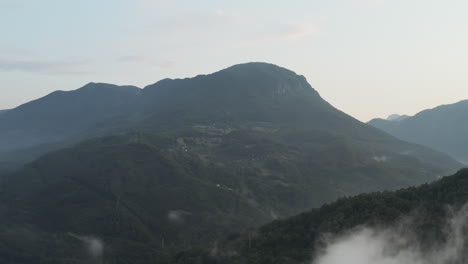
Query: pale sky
369	58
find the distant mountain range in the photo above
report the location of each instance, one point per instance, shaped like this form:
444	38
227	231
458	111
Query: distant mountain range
176	165
443	128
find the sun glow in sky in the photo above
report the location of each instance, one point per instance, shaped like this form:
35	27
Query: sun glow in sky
369	58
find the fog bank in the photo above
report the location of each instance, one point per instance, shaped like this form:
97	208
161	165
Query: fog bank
396	245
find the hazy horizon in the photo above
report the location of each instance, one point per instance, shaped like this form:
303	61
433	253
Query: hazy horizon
368	58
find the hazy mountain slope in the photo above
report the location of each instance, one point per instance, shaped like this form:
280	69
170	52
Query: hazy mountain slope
245	95
61	115
443	128
252	96
413	222
136	189
163	193
14	159
262	97
252	92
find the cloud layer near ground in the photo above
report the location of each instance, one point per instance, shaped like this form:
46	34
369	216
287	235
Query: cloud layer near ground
397	245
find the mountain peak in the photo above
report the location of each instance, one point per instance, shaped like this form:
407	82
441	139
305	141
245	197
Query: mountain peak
263	69
251	91
247	79
258	66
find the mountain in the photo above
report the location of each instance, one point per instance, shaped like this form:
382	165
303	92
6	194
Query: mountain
443	128
396	117
59	119
182	162
425	224
255	96
62	115
140	191
3	111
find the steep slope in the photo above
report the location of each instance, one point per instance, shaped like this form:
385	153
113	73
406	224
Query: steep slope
443	128
249	93
405	226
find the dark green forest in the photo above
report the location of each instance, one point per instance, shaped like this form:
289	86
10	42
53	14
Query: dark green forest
297	239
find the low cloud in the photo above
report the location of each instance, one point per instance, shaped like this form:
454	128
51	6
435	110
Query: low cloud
247	30
369	1
10	4
17	59
382	158
203	21
43	66
177	216
14	52
397	245
296	31
147	60
279	32
94	245
132	58
166	64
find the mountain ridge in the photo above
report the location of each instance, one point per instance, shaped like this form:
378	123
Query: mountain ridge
61	114
238	97
442	128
